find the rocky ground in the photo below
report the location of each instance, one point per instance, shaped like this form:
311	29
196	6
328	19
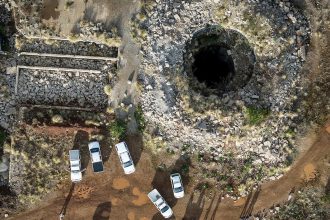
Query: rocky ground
215	127
236	140
67	88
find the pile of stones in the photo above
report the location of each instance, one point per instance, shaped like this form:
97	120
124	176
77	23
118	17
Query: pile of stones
278	34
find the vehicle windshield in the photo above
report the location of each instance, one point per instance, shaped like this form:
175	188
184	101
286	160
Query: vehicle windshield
164	209
178	189
94	150
127	164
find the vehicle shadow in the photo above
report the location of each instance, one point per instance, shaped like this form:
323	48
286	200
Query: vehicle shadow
81	143
135	146
216	208
102	211
208	210
195	208
159	216
67	200
249	204
105	146
162	181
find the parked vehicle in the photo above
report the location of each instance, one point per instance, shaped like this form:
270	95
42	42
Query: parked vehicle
125	158
160	203
177	185
95	152
75	166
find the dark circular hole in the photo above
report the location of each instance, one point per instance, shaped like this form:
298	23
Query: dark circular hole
218	61
213	66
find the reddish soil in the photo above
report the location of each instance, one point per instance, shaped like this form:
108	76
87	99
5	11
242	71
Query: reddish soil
113	195
96	198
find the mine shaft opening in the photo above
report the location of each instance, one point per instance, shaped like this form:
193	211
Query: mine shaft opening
213	66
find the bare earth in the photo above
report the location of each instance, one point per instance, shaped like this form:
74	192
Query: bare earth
111	195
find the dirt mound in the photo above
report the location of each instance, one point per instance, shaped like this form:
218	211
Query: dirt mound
82	192
131	216
328	129
142	198
120	183
241	201
116	201
309	172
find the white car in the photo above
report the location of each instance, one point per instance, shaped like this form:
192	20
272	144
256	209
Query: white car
125	158
160	203
75	166
177	185
95	152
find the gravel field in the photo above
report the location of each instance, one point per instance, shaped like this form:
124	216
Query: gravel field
50	87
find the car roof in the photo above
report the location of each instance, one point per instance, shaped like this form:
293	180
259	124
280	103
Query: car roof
121	147
125	157
74	154
154	195
94	144
176	179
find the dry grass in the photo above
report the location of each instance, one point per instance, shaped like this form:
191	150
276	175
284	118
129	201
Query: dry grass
42	163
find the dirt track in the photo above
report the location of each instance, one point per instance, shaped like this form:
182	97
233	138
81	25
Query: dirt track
111	195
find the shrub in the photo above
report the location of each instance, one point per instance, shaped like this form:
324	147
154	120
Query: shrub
107	90
308	204
203	186
118	130
185	169
256	115
57	119
139	117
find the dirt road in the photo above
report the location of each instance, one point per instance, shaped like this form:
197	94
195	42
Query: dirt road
113	195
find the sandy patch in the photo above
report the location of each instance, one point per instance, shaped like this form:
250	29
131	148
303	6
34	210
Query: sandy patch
82	192
309	172
142	197
241	201
120	183
328	129
131	216
116	201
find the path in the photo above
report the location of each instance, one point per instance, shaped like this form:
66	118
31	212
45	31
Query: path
128	199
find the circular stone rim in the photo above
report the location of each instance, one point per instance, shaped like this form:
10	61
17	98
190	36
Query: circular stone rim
240	51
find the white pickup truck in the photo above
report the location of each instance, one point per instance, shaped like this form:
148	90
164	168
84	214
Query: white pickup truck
160	203
95	152
125	158
75	166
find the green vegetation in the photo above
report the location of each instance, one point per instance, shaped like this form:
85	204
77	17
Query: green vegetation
185	169
118	130
203	186
107	90
290	133
306	204
139	117
185	147
229	188
170	151
256	115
